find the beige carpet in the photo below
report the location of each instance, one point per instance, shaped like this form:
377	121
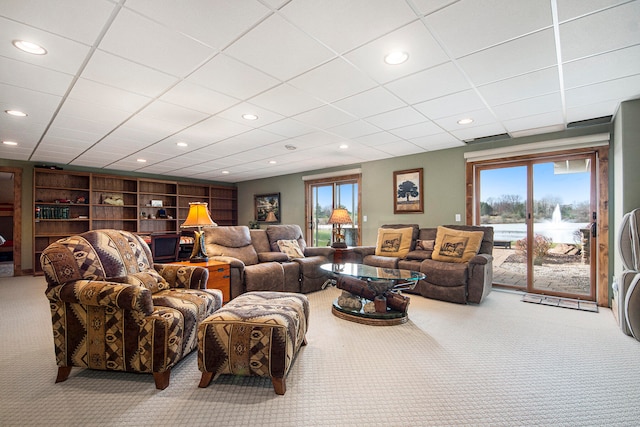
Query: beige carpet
502	363
575	304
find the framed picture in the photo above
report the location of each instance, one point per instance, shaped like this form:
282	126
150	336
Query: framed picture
407	191
267	207
156	203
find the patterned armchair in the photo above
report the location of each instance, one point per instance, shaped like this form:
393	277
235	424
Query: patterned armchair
113	309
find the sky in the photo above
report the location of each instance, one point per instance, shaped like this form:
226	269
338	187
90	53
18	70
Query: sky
570	187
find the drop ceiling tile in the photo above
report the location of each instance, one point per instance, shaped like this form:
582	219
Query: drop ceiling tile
435	82
345	25
315	139
39	106
469	26
236	112
93	112
324	117
16	153
198	98
29	76
147	129
594	34
212	130
424	52
533	122
519	56
450	105
333	81
143	41
479	131
480	117
591	111
521	87
380	138
531	106
18	130
64	55
289	128
354	129
621	89
170	113
370	102
72	135
78	20
569	9
230	77
279	49
608	66
397	118
96	126
107	96
417	130
286	100
400	148
215	23
429	6
121	73
440	141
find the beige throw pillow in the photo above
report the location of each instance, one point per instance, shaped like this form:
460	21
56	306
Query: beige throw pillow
394	242
291	248
456	245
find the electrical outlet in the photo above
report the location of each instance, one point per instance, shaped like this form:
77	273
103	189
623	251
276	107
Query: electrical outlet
458	218
364	218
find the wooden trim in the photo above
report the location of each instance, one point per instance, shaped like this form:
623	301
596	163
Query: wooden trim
602	285
17	218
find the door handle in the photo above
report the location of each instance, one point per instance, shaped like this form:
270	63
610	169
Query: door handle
593	229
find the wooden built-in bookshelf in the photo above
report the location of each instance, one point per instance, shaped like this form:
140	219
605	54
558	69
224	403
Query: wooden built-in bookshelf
67	203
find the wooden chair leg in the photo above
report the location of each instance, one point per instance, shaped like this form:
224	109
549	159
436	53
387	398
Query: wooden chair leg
63	373
206	379
162	379
279	385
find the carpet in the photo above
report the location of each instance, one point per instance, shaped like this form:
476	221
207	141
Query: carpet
575	304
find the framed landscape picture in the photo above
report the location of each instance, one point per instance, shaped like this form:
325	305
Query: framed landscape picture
407	191
267	207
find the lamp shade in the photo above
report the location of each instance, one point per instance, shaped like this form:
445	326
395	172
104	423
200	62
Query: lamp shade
198	216
339	216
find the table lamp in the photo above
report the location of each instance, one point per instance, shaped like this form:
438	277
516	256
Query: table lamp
198	217
338	217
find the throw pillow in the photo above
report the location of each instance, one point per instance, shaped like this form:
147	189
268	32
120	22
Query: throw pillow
394	242
425	245
456	245
291	248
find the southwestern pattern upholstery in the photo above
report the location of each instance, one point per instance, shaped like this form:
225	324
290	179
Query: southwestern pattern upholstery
257	333
113	309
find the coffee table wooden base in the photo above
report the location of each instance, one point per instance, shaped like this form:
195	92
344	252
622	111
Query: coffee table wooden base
399	319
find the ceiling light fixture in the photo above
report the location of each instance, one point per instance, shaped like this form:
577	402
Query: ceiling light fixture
343	146
9	143
272	162
225	172
16	113
29	47
465	121
141	161
397	57
250	117
182	144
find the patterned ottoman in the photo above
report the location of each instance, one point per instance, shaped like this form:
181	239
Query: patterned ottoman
257	333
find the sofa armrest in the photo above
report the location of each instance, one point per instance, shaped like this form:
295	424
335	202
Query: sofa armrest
233	262
363	251
480	278
481	259
183	276
325	251
105	294
272	257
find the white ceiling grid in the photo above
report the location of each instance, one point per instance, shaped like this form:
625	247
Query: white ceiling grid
129	79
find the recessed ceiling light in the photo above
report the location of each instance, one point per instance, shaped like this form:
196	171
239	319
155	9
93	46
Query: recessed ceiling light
465	121
15	113
225	172
272	162
141	161
182	144
9	143
397	57
250	117
343	146
29	47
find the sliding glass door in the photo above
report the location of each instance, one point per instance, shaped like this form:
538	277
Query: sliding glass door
543	214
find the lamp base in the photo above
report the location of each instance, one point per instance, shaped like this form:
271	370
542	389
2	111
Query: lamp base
198	259
339	245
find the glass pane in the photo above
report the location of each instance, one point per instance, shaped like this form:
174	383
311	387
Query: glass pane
322	203
503	199
347	197
561	226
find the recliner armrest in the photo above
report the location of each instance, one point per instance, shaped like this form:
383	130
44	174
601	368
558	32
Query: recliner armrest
363	251
233	262
481	259
325	251
272	257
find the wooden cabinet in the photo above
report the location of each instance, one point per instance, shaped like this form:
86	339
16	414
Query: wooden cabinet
219	276
68	202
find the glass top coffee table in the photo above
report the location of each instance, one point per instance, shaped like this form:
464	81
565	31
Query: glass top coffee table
375	297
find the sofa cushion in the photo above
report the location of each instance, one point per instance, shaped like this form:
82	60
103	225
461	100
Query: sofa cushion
425	245
285	232
456	245
231	241
394	242
149	279
291	248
